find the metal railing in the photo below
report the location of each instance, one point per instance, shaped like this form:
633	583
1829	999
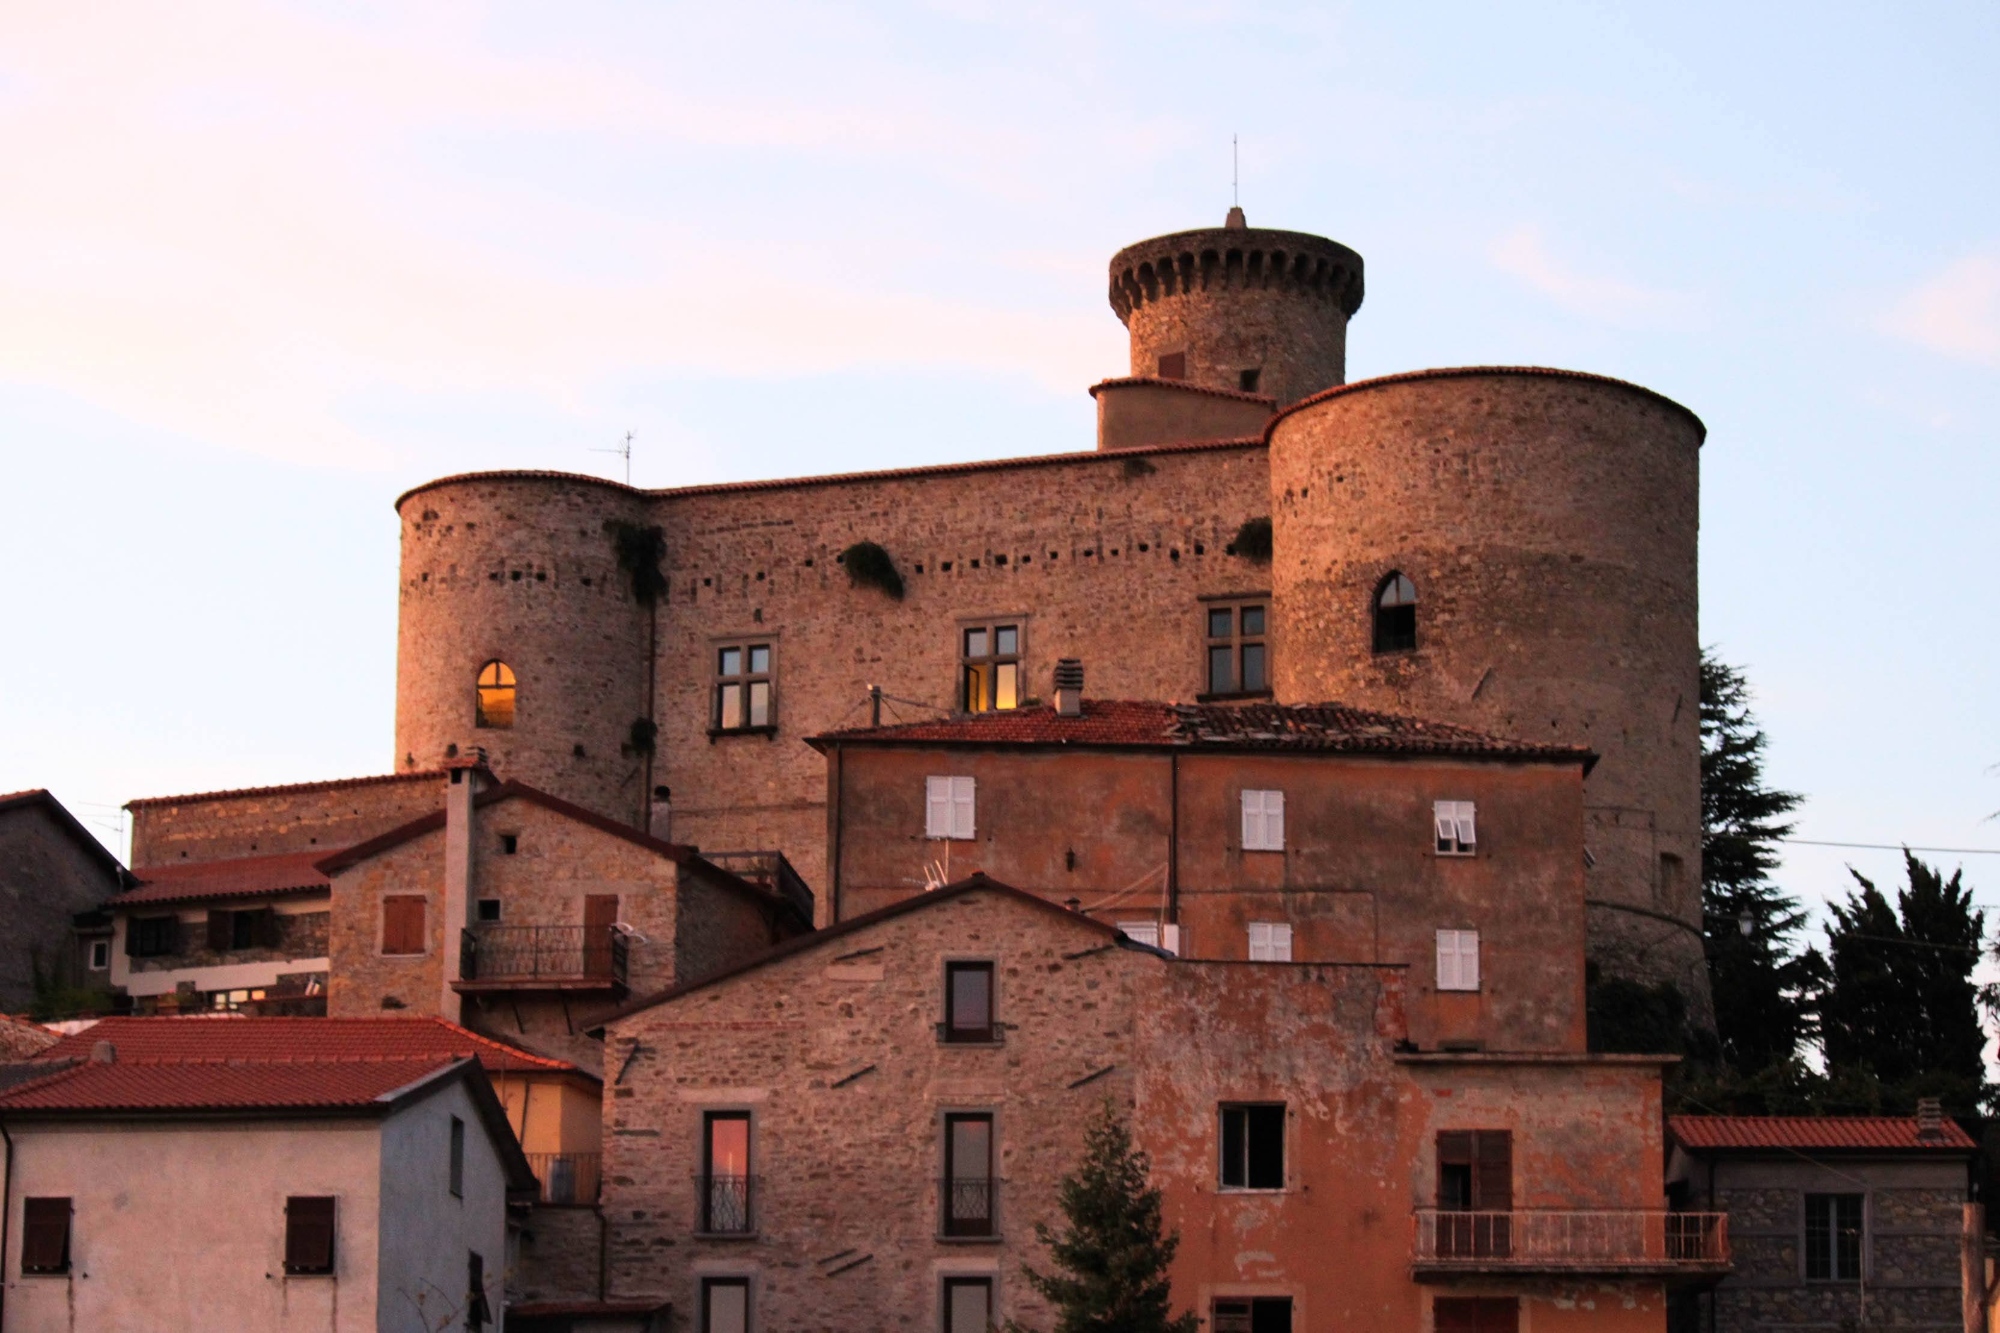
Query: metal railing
769	869
724	1205
970	1205
542	953
1582	1240
567	1177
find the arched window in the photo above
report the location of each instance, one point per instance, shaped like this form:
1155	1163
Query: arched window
1395	614
496	695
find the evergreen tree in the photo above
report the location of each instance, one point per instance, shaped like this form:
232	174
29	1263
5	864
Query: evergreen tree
1754	976
1898	1004
1112	1257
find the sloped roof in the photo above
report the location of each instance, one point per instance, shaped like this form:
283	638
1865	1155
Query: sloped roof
67	823
216	1085
287	789
1146	724
238	1038
1745	1133
237	877
21	1038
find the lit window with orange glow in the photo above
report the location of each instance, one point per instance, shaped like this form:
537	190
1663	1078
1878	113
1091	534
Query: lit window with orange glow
496	695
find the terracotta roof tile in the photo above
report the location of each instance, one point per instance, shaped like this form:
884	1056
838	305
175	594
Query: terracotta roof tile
190	1085
1121	723
267	1040
238	877
1823	1133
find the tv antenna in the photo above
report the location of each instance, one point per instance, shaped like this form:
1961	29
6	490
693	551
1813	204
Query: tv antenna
623	451
1235	175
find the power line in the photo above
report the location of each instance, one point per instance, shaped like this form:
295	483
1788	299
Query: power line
1895	847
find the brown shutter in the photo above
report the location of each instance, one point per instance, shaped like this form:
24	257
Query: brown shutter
1493	1171
600	913
1454	1148
220	925
308	1234
1476	1314
403	924
45	1235
267	928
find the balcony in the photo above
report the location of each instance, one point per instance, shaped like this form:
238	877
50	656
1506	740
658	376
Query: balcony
499	957
723	1205
567	1177
971	1207
1607	1242
769	870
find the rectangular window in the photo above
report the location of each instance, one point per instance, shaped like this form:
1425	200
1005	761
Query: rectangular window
402	924
1253	1147
1263	821
308	1234
968	1304
45	1235
1476	1314
1833	1237
991	658
968	1002
1237	655
725	1305
948	806
1145	932
1455	833
478	1312
458	1157
1256	1314
1475	1178
100	955
153	936
1270	942
725	1172
968	1175
1173	365
743	682
489	909
1458	960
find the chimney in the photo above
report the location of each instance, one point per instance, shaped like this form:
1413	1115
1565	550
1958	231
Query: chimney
1069	687
466	768
103	1053
1930	1118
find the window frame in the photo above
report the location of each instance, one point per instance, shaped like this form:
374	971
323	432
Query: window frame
1461	819
710	1283
978	1280
1277	941
1385	640
709	1120
953	801
992	659
1248	1314
298	1219
950	1227
98	948
1235	643
1833	1256
47	1207
1222	1145
1454	949
455	1164
949	1031
744	679
507	682
157	935
1476	1314
1261	819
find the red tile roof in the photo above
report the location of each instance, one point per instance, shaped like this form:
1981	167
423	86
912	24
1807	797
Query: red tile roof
239	877
1821	1133
215	1085
1121	723
331	784
265	1040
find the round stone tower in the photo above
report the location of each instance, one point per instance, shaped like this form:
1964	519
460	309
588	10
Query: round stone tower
1242	309
521	569
1544	523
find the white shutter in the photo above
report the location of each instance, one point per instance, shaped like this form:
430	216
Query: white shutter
1142	932
937	807
1466	835
1263	821
1281	943
1447	824
1260	941
1170	939
1270	942
1468	958
1458	960
961	807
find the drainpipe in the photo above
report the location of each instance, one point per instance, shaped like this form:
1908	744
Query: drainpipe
1174	838
456	913
835	779
6	1213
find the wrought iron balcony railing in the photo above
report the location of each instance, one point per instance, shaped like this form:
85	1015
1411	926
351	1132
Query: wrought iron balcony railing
970	1205
1636	1241
567	1177
723	1205
567	956
771	870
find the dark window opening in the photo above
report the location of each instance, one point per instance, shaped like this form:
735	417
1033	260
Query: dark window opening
153	936
968	1175
457	1157
1475	1193
45	1235
1259	1314
968	1305
478	1312
725	1305
496	695
1253	1147
1247	380
308	1234
1833	1237
1395	615
1173	365
743	685
489	909
968	1002
510	844
1476	1314
991	670
1238	661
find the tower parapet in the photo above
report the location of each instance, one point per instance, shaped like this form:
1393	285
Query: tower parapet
1245	309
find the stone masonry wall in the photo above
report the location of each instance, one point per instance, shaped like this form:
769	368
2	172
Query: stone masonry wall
45	876
269	821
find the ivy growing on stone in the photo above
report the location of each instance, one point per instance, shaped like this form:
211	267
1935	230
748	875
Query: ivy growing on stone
869	566
640	552
1253	541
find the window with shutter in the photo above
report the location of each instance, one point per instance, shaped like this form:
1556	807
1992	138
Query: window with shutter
948	808
1476	1314
725	1305
221	931
308	1234
1257	1314
1455	833
968	1304
1263	821
1144	932
45	1235
1475	1177
402	924
1253	1147
1458	960
1270	942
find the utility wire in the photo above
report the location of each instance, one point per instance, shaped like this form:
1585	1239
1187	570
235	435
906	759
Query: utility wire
1895	847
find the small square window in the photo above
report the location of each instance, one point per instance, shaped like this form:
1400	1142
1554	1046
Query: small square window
1458	960
948	808
100	955
1238	661
1456	835
1263	821
1270	942
990	667
510	844
489	909
1253	1147
743	687
968	1002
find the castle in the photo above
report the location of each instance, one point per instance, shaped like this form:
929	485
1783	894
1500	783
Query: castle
1510	549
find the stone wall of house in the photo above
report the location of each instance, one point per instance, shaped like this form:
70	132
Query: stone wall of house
559	1255
269	821
45	878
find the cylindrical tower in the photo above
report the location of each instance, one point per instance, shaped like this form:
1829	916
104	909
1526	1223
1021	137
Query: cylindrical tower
1243	309
1514	550
512	580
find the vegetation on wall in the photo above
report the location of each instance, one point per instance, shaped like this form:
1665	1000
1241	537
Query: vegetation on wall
869	566
644	735
641	551
1253	541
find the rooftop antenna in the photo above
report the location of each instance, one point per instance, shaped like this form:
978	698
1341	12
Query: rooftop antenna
624	451
1235	175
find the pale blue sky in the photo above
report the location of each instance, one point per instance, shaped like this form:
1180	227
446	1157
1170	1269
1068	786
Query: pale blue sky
263	266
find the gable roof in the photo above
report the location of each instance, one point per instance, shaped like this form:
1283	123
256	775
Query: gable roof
236	877
287	789
68	825
1323	728
978	881
22	1038
235	1037
1776	1133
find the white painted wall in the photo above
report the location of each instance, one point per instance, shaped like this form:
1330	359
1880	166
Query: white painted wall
427	1232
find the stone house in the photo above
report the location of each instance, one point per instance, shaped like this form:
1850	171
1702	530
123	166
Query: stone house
51	870
1310	833
1837	1222
288	1190
860	1128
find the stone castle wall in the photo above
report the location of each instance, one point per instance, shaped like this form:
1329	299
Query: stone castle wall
272	821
